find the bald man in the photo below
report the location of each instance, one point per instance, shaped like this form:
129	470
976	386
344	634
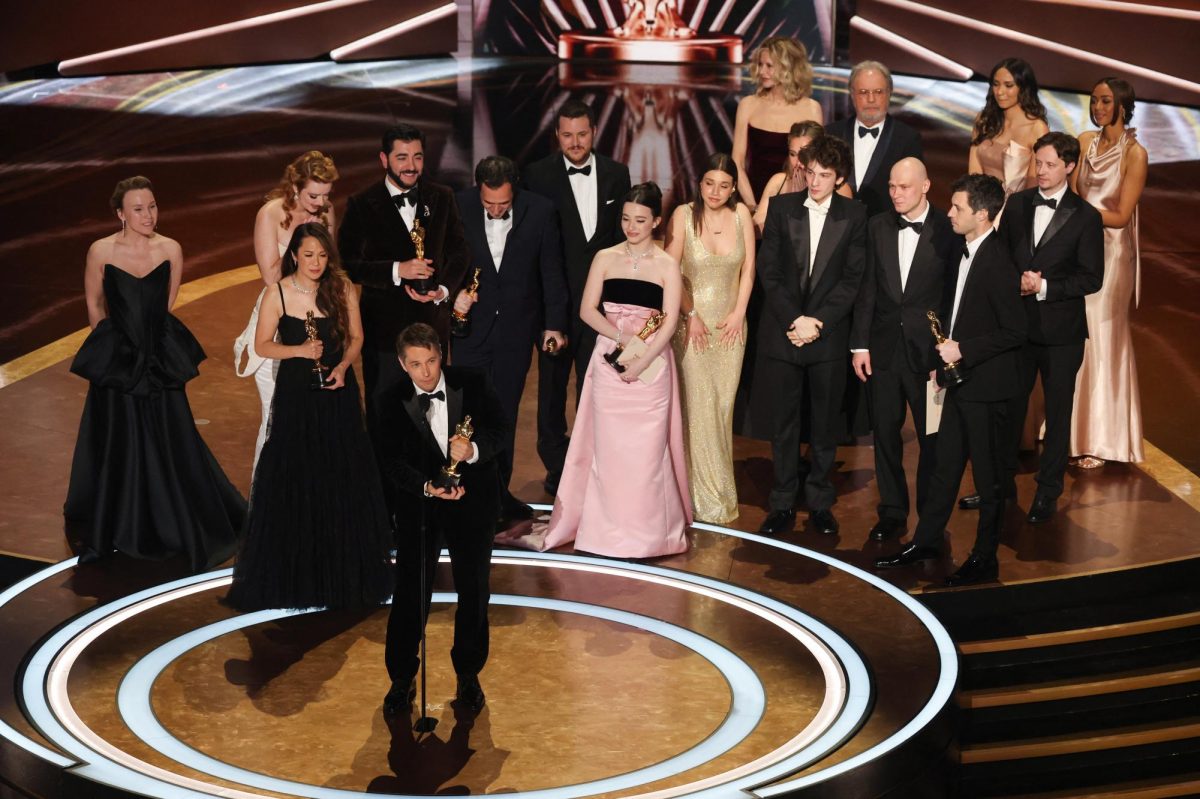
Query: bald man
910	251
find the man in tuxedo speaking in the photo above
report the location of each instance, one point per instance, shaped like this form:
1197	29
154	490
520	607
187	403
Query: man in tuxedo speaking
522	299
419	416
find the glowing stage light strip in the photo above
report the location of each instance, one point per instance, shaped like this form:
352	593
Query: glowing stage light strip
942	692
8	732
749	702
961	71
1040	44
347	50
206	33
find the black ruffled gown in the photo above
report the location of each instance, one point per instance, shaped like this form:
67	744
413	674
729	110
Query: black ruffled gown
142	480
318	532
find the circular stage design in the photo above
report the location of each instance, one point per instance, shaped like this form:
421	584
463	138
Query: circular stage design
733	748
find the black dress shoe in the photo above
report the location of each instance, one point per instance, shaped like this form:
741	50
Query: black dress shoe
1042	510
970	502
908	556
888	528
550	484
516	510
822	521
778	521
399	698
975	570
470	693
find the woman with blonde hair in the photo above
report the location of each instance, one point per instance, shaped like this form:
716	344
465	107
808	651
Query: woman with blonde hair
301	197
783	80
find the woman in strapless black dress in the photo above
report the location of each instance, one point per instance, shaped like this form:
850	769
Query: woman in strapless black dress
318	533
142	480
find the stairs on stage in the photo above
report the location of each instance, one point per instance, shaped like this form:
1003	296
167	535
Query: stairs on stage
1087	686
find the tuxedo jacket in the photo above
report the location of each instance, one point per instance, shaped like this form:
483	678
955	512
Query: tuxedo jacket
528	287
548	177
991	324
897	140
886	316
830	290
409	455
373	235
1070	257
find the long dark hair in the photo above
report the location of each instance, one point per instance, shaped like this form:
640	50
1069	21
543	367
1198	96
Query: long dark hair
990	121
717	162
331	288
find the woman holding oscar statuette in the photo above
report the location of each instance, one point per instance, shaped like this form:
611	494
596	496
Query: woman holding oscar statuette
712	238
318	532
143	482
301	196
624	489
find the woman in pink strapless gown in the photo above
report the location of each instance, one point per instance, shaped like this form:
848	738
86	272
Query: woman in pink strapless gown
1106	424
624	488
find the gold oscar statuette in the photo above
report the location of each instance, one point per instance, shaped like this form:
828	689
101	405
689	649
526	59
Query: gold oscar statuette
318	379
460	323
654	321
422	285
449	477
953	373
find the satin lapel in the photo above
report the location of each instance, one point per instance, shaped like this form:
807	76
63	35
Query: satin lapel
1028	210
413	407
890	250
475	228
568	209
454	407
798	233
603	185
924	253
1070	201
831	234
519	210
885	139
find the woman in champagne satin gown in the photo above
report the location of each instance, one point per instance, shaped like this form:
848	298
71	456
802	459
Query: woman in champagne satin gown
1012	119
712	238
1106	424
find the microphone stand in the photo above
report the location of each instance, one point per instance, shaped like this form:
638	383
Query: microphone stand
424	723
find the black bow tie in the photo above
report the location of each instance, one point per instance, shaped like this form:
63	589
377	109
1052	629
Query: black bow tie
966	253
425	399
1040	200
409	197
916	226
864	132
507	214
579	170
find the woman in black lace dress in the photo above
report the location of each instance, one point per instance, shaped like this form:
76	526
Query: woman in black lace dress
318	533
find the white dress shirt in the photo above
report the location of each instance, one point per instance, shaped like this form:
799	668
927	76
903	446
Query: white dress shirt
964	269
438	418
408	212
584	189
906	243
497	231
864	149
816	223
1041	220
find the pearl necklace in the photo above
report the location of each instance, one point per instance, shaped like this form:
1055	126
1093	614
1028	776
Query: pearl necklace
637	257
296	286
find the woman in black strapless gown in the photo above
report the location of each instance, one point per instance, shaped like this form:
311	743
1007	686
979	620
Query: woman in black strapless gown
142	480
318	533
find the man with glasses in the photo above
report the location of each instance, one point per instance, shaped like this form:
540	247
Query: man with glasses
876	139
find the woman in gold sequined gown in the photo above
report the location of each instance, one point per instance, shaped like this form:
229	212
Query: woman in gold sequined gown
1106	424
712	238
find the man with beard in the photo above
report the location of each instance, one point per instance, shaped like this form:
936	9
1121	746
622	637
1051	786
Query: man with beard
378	251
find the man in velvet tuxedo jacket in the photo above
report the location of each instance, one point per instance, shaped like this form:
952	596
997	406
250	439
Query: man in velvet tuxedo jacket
588	190
1056	241
876	139
419	415
522	299
377	251
985	327
910	250
811	262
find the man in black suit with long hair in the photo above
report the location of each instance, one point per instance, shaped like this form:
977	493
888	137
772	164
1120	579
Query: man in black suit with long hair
522	299
909	252
377	251
419	416
588	189
811	262
985	327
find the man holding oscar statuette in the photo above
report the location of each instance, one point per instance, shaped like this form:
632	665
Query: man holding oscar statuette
811	262
521	300
402	240
985	330
435	421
